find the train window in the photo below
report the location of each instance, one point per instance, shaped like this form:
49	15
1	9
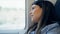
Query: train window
12	14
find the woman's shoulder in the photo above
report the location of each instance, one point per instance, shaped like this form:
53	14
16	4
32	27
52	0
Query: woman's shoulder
54	31
51	29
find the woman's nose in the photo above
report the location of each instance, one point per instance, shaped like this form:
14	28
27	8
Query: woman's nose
30	13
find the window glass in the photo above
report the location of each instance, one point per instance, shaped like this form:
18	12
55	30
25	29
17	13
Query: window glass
12	14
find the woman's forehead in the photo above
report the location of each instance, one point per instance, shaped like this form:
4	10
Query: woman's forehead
35	6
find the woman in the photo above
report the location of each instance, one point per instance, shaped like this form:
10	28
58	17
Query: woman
42	15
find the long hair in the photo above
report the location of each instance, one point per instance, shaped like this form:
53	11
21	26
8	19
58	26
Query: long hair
47	18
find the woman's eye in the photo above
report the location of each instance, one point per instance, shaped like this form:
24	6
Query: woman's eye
32	8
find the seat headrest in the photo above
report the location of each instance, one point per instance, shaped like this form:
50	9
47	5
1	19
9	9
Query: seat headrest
57	10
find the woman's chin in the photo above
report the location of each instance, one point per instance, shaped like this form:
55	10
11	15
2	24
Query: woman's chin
33	21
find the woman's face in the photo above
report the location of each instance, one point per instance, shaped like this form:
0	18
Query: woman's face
35	13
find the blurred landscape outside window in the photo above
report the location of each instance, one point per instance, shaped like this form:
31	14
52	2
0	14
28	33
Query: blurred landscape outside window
12	14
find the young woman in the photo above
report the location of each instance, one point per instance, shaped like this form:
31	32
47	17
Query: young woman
42	15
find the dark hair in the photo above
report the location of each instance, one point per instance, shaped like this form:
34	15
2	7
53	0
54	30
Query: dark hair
48	16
